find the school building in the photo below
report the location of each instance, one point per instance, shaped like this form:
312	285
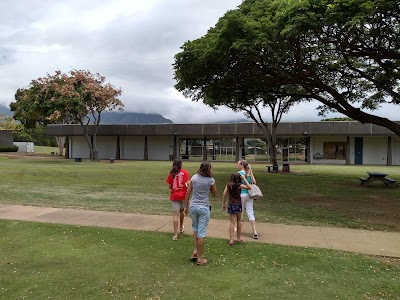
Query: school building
298	142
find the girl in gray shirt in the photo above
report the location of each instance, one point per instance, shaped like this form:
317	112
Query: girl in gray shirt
200	187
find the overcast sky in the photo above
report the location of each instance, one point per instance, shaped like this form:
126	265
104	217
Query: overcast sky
131	43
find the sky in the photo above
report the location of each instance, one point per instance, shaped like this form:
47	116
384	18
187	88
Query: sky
131	43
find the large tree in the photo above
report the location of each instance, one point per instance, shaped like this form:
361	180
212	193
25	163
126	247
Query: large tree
343	53
209	69
79	97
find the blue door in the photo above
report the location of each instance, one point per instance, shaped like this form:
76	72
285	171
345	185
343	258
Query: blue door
358	150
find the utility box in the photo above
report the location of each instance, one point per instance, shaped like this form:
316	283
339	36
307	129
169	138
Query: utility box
25	146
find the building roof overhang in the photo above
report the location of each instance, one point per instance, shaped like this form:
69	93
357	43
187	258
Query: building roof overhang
346	128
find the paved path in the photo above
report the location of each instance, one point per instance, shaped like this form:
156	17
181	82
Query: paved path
361	241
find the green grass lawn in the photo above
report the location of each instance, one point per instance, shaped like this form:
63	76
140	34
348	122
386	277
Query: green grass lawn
45	149
48	261
309	195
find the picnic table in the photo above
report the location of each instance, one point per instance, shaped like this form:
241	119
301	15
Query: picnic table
378	176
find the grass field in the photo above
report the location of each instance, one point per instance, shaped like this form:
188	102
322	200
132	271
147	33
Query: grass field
47	261
309	195
45	150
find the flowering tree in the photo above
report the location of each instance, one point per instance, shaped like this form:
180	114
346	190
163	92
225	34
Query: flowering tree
79	96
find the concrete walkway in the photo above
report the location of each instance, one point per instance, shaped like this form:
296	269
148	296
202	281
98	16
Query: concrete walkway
361	241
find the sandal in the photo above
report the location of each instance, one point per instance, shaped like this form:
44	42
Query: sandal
203	262
182	229
239	241
255	236
175	237
194	257
230	243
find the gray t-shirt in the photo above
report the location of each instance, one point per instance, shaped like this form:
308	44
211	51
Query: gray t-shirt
201	189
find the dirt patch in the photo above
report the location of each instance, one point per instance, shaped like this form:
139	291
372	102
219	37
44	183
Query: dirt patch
393	261
28	155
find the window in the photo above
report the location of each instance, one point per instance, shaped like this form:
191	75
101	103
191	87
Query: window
335	150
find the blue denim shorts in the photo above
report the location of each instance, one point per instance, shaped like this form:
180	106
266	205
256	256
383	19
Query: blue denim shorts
200	216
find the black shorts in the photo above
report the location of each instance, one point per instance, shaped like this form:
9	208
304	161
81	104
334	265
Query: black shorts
234	209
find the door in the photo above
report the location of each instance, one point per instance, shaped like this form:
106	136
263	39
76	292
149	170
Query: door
358	150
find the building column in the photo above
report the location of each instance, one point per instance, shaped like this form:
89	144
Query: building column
146	149
118	150
237	156
309	151
66	154
175	148
205	148
348	150
389	152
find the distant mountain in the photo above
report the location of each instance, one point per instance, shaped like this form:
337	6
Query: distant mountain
113	117
5	110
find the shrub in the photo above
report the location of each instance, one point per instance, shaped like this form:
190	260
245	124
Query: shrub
8	148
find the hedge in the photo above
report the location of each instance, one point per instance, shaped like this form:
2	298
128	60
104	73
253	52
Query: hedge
8	148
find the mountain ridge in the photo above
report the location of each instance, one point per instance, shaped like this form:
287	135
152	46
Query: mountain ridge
114	117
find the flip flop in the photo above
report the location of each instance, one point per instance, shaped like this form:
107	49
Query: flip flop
239	241
182	229
255	236
194	257
175	238
203	262
230	244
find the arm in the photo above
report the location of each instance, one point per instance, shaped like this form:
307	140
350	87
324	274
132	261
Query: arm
224	197
253	179
213	190
169	181
245	186
188	192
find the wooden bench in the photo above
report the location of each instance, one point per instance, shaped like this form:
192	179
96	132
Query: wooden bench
391	180
363	179
272	169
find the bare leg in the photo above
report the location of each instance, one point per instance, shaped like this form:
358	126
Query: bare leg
182	217
200	249
231	229
253	226
239	226
175	221
195	243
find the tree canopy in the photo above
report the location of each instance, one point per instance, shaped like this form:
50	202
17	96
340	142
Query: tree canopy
343	53
77	97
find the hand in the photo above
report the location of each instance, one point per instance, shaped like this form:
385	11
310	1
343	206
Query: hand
223	207
185	211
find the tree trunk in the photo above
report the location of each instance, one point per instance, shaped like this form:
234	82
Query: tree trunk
60	143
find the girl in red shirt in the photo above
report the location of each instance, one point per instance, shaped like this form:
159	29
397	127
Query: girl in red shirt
177	181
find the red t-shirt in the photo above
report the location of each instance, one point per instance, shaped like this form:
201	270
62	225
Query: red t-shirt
178	185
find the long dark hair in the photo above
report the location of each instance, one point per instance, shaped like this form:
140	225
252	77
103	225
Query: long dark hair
235	181
205	169
176	167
